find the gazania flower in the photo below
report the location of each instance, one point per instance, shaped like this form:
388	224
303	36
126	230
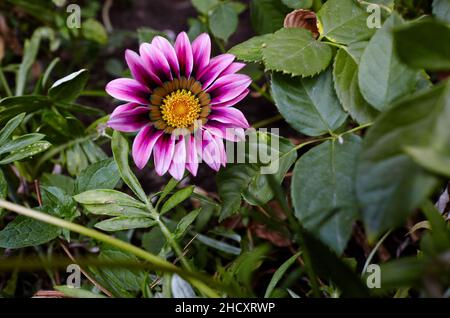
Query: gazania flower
181	104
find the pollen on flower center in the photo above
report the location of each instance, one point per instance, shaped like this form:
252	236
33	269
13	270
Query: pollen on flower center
180	109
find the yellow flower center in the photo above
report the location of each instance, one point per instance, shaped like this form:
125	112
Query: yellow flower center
180	109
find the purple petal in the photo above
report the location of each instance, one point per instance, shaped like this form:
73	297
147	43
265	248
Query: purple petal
225	131
231	102
169	52
129	118
216	66
233	68
178	164
143	145
211	153
229	115
228	87
184	53
201	49
156	62
192	156
128	90
163	155
137	68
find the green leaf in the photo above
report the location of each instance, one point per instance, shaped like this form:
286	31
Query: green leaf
251	50
345	75
327	264
172	184
121	282
223	21
185	222
94	31
116	210
20	142
296	52
308	105
76	160
60	181
153	241
431	158
120	151
218	245
382	77
3	188
57	202
441	9
176	199
440	231
424	44
10	126
343	21
279	274
267	16
106	196
13	106
77	292
390	185
24	231
298	4
26	152
323	190
124	223
100	175
68	88
146	34
251	180
204	6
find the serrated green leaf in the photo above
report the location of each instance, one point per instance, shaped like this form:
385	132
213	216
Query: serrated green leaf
251	50
69	87
24	231
26	152
125	223
344	21
296	52
323	191
390	185
345	75
177	198
308	105
223	21
424	44
100	175
382	77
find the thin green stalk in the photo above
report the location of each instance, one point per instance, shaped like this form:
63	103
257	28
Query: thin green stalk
155	260
357	129
268	121
5	83
374	250
262	92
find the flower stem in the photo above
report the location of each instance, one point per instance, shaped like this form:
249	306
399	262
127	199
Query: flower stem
5	83
157	262
268	121
262	92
